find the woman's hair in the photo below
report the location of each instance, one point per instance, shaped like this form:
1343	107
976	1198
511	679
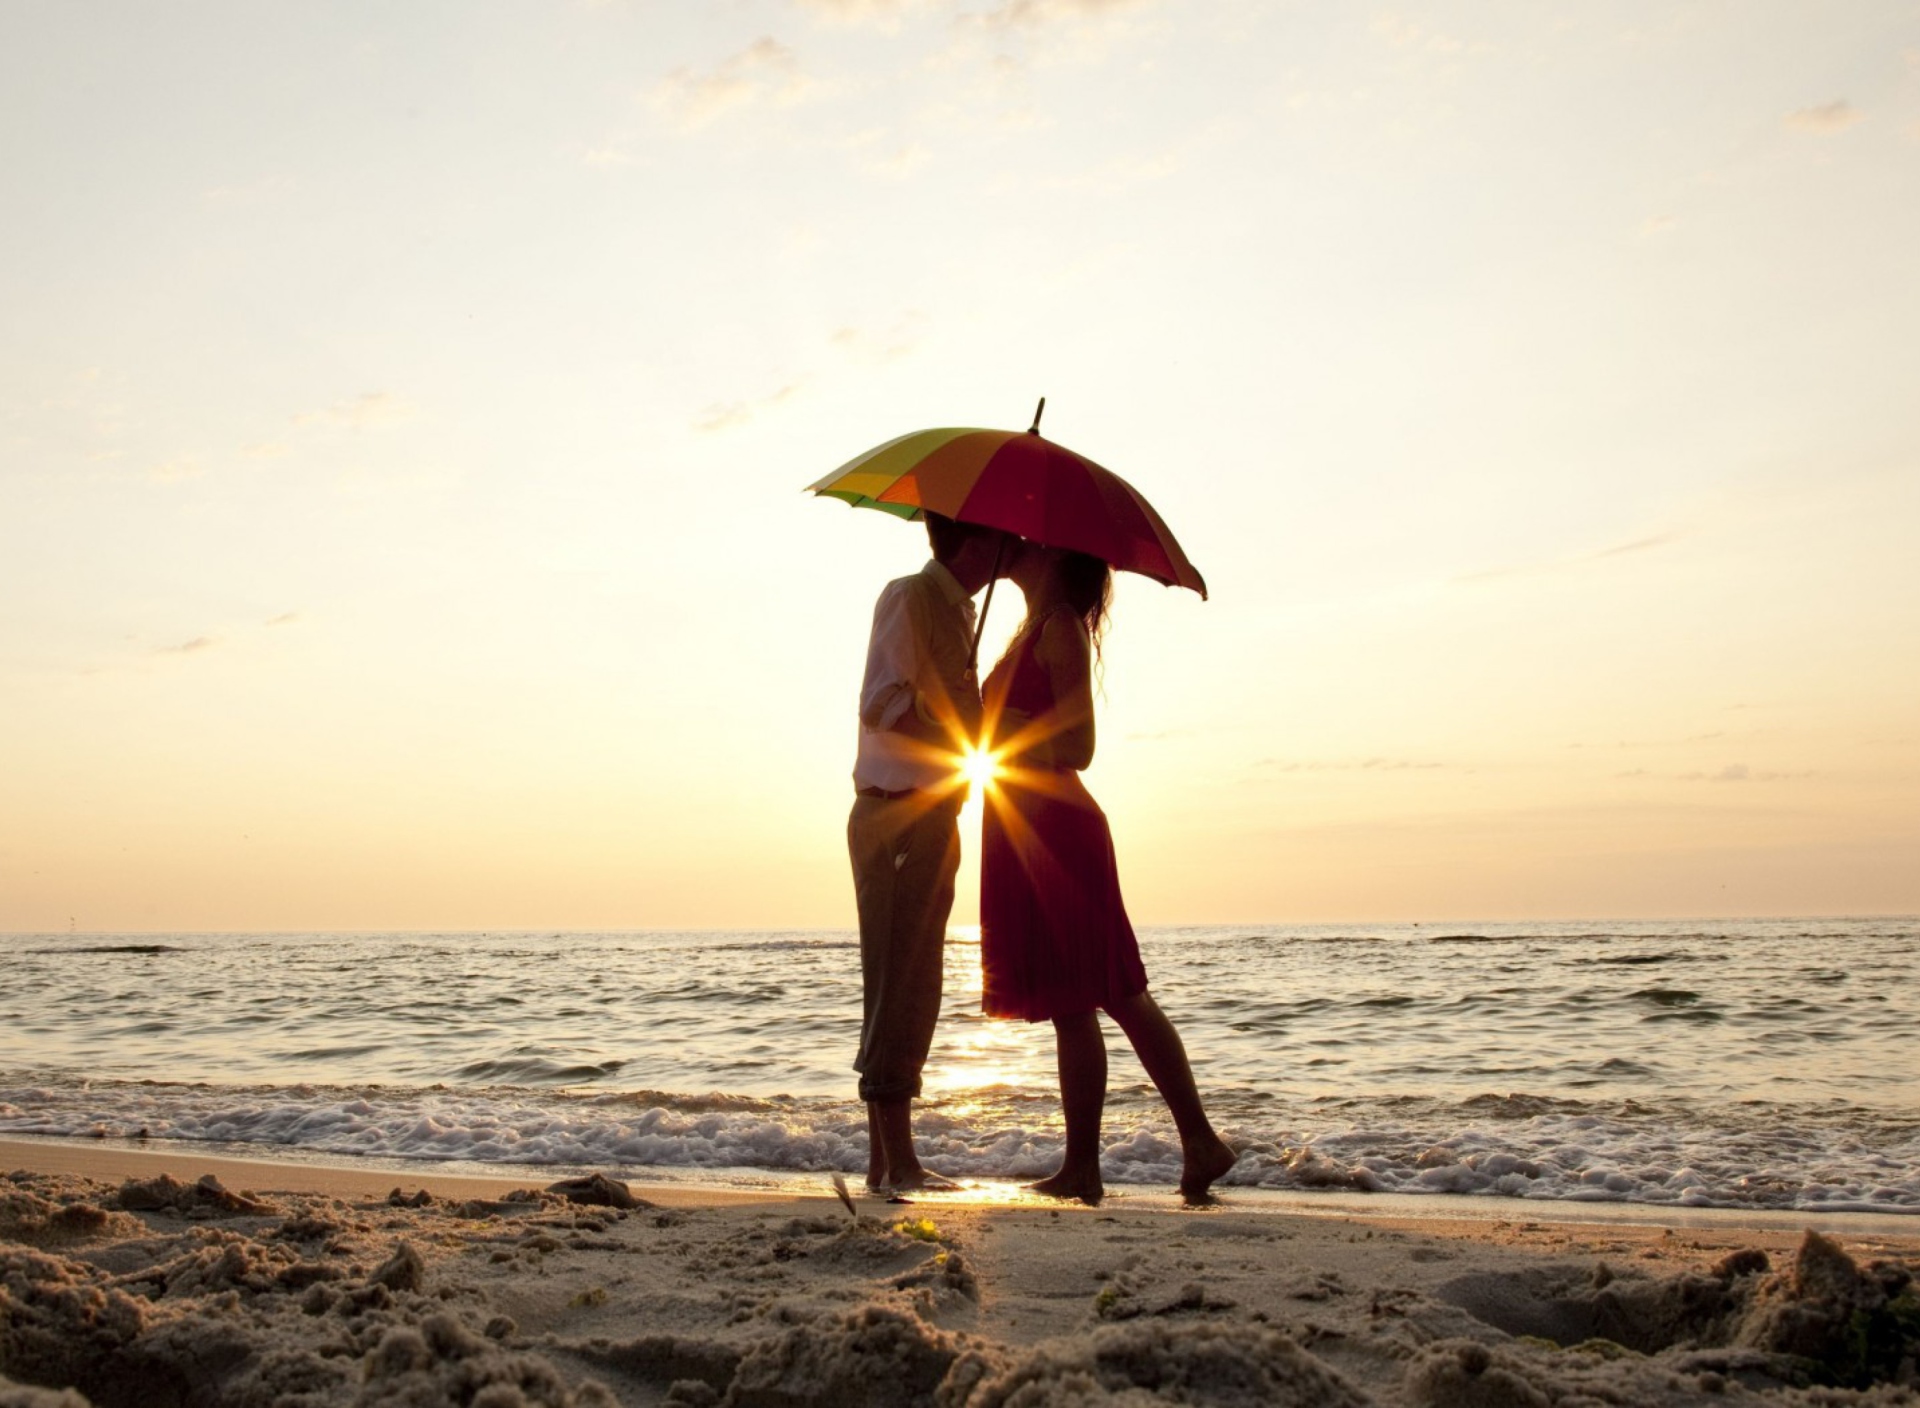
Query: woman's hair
1089	584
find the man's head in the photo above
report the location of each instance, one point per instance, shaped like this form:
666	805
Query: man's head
967	550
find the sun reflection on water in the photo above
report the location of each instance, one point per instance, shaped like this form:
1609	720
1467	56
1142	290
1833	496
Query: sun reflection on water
978	1064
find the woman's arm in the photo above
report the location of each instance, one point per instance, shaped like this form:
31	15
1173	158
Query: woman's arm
1067	656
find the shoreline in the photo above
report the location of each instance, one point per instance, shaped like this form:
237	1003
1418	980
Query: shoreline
295	1171
111	1160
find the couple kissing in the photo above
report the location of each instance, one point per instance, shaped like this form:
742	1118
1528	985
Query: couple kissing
1055	941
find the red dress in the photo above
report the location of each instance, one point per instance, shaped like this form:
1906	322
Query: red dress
1054	935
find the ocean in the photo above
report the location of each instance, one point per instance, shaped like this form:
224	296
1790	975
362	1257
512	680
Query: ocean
1757	1064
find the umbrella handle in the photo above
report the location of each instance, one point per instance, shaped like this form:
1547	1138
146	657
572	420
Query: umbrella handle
979	625
973	654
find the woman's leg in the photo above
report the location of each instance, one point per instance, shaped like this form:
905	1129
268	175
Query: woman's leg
1204	1155
1082	1053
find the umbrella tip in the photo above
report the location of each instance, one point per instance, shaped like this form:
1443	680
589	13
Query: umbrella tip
1034	429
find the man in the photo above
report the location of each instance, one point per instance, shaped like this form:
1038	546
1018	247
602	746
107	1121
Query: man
919	708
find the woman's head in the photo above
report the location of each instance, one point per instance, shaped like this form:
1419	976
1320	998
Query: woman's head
1053	577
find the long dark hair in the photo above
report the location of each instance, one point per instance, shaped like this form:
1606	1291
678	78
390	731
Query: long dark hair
1088	582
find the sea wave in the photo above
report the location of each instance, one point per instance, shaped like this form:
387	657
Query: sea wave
1822	1157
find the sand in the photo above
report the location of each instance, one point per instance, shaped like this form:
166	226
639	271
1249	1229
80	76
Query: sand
141	1278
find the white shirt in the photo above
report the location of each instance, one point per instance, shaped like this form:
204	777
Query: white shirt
916	661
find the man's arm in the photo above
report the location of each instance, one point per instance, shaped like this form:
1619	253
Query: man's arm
903	693
893	660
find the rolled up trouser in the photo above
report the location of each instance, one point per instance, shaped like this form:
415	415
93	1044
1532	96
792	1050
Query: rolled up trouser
905	852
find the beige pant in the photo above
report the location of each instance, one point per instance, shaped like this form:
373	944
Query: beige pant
905	853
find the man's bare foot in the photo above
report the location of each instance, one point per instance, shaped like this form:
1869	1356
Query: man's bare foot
1199	1169
1080	1185
921	1180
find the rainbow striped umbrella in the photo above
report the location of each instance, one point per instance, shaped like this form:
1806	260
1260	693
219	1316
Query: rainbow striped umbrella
1017	481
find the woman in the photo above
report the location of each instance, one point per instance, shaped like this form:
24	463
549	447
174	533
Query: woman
1054	937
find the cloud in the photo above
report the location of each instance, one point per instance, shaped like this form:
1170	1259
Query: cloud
364	412
607	154
883	15
1034	14
1735	773
1013	36
876	345
879	346
176	471
1403	33
1740	772
1349	765
731	415
188	647
1637	545
901	162
1655	226
1824	120
1137	168
1686	742
1658	540
1148	164
765	71
285	618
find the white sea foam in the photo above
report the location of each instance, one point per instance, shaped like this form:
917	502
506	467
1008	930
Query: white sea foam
1811	1159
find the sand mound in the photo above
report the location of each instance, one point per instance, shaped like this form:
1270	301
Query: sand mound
1467	1374
221	1330
37	1221
208	1196
1856	1327
873	1357
58	1320
1822	1321
1157	1363
1570	1305
13	1395
598	1190
440	1361
885	1356
210	1315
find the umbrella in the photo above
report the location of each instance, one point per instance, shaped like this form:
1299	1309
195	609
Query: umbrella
1022	483
1017	481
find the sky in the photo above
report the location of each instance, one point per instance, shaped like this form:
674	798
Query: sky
405	413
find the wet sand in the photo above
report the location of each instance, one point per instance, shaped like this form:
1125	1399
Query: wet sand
137	1277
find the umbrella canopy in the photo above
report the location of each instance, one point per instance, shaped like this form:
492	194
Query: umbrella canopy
1017	481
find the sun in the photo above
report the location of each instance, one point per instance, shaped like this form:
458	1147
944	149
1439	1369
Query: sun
979	768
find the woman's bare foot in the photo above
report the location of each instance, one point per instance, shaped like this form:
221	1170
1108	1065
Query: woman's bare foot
1082	1185
1200	1167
